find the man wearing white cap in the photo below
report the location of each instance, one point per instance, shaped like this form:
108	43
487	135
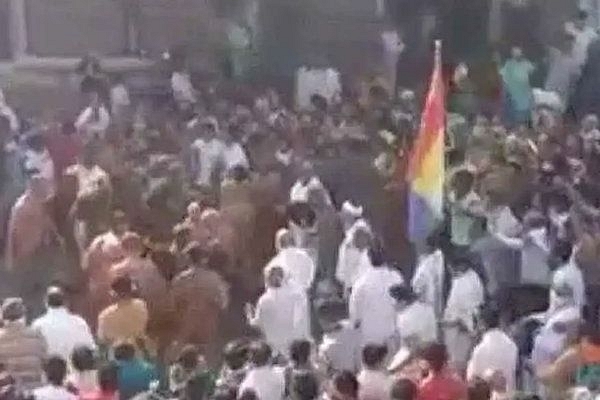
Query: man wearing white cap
353	257
349	214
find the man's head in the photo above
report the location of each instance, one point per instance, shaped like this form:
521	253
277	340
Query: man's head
55	297
304	386
38	187
516	52
132	243
344	386
436	356
373	356
188	358
581	19
300	352
490	316
55	369
362	237
124	351
284	239
13	309
377	254
119	222
83	358
122	287
403	295
196	254
403	389
260	354
274	277
479	390
236	354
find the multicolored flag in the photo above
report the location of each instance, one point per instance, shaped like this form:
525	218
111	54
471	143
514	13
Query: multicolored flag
426	163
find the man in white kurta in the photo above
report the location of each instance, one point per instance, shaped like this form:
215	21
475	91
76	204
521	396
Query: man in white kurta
428	280
297	265
496	351
416	322
465	298
372	310
353	257
281	312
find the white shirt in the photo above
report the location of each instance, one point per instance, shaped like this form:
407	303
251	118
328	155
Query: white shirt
63	331
119	98
299	192
571	275
234	155
502	221
466	295
267	382
297	265
583	38
428	280
373	385
91	126
338	348
50	392
371	306
209	155
417	321
497	352
282	315
183	91
352	262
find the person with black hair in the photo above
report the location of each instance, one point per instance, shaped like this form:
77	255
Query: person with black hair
440	382
84	375
235	357
55	370
63	330
428	279
371	308
135	375
373	380
467	294
496	350
189	377
126	319
404	389
281	312
263	378
337	351
300	361
416	322
107	385
479	390
343	386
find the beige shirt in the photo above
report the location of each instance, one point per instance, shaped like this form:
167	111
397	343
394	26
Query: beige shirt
123	321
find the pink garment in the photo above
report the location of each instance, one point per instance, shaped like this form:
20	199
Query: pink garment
29	227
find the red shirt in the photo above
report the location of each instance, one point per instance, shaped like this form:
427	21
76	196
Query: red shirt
64	150
443	386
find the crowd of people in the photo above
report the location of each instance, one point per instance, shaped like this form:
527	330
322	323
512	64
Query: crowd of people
200	248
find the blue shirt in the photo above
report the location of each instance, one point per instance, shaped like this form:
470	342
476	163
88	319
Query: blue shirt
135	377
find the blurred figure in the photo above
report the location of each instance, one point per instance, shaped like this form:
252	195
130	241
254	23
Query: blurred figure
22	349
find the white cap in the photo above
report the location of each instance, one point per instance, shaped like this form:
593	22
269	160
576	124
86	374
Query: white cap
351	209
